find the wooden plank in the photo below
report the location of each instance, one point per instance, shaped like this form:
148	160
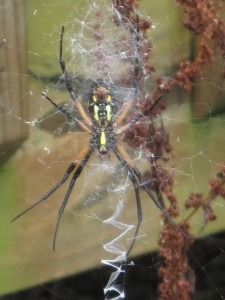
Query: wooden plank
13	76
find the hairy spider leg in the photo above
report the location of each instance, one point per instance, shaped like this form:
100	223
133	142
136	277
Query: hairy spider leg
135	170
71	186
70	90
126	107
49	193
137	194
61	109
137	56
82	157
137	118
123	112
63	67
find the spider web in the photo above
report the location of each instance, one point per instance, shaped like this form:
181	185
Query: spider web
101	212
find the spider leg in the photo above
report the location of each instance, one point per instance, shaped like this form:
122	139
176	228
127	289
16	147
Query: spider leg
61	109
126	107
49	193
63	67
137	56
69	87
137	194
76	174
138	117
135	170
123	113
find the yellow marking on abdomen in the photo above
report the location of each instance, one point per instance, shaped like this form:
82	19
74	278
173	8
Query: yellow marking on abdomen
103	138
96	116
109	115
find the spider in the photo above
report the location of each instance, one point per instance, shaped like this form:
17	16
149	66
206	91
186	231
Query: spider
103	123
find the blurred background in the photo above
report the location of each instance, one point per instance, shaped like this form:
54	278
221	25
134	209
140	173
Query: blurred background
35	148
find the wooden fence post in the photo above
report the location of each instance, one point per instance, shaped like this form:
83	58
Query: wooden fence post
13	76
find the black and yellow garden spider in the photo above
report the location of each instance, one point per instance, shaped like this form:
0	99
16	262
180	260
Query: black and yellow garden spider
103	123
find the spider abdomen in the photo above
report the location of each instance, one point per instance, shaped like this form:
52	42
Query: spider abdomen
102	113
